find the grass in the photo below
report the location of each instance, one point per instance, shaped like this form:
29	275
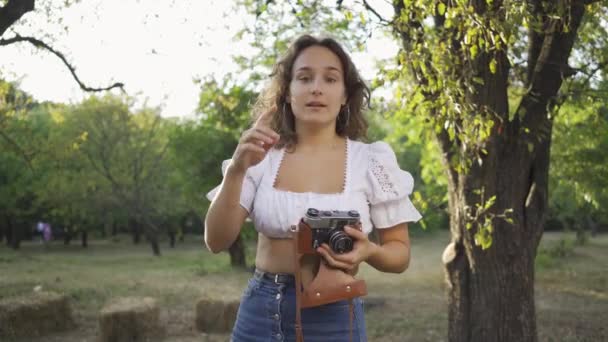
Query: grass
571	286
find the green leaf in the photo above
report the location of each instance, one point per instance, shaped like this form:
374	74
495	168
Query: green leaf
473	50
441	8
348	15
493	65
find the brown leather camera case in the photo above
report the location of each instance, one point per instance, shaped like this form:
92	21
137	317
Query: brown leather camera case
329	284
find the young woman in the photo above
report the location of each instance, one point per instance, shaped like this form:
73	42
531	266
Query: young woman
304	151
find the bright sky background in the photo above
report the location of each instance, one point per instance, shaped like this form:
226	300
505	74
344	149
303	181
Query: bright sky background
155	47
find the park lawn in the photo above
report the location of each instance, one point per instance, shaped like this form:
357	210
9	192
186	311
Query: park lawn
571	286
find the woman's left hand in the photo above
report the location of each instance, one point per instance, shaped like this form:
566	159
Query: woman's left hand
349	262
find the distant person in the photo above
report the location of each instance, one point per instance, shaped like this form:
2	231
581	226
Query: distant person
305	151
47	233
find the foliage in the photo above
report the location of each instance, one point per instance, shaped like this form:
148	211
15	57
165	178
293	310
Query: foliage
579	157
418	153
270	37
19	138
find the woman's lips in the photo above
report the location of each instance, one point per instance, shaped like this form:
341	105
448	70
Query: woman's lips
315	105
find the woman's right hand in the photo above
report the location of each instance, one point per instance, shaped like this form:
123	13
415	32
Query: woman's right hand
255	143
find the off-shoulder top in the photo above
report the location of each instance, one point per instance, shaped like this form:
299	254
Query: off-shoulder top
374	185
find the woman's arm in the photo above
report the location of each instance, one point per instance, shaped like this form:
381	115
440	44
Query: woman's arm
225	216
393	253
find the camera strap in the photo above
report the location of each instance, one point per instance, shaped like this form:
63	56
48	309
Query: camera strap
298	286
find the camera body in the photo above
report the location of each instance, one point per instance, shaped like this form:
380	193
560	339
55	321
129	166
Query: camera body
327	226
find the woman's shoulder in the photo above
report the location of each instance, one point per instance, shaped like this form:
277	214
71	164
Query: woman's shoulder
371	149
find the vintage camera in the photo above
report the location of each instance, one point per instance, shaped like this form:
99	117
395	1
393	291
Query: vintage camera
327	226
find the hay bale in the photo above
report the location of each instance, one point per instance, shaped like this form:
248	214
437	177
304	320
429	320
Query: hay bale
215	315
35	314
130	320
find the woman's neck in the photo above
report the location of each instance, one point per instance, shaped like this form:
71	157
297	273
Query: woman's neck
309	139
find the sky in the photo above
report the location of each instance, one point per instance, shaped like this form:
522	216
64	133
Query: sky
156	49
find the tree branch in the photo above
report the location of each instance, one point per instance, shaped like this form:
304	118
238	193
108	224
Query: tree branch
550	68
295	14
371	9
13	11
40	44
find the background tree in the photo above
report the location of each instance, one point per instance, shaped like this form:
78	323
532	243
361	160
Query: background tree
579	180
223	112
128	151
19	139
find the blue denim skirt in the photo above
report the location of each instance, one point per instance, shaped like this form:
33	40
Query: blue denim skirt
268	312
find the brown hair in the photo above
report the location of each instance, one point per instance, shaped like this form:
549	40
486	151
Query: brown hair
350	122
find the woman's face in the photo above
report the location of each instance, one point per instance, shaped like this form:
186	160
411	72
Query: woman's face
317	90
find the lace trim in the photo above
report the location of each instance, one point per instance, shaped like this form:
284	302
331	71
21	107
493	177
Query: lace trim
346	166
277	168
383	178
345	179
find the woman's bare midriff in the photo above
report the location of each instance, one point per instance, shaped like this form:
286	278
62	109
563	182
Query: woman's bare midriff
278	256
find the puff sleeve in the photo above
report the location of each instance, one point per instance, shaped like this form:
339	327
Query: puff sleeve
388	188
250	185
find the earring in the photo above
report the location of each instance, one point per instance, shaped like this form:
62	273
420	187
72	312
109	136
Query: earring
347	114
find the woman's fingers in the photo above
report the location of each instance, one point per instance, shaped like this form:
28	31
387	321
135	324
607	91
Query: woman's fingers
355	233
258	136
335	260
253	148
264	122
265	119
268	131
256	141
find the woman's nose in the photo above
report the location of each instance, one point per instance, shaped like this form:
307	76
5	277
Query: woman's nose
316	87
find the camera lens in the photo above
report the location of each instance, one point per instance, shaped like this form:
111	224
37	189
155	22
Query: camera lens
312	212
340	242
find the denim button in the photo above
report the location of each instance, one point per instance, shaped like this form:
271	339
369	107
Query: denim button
276	317
278	296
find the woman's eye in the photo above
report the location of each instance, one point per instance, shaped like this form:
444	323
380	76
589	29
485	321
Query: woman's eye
304	78
331	80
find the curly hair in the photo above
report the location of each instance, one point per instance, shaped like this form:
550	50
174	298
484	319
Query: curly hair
350	122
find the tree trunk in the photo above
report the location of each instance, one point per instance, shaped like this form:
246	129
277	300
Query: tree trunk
135	230
592	225
2	231
67	235
84	238
8	230
237	253
153	239
491	292
14	233
171	238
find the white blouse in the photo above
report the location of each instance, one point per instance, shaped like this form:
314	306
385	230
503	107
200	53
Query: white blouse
374	185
